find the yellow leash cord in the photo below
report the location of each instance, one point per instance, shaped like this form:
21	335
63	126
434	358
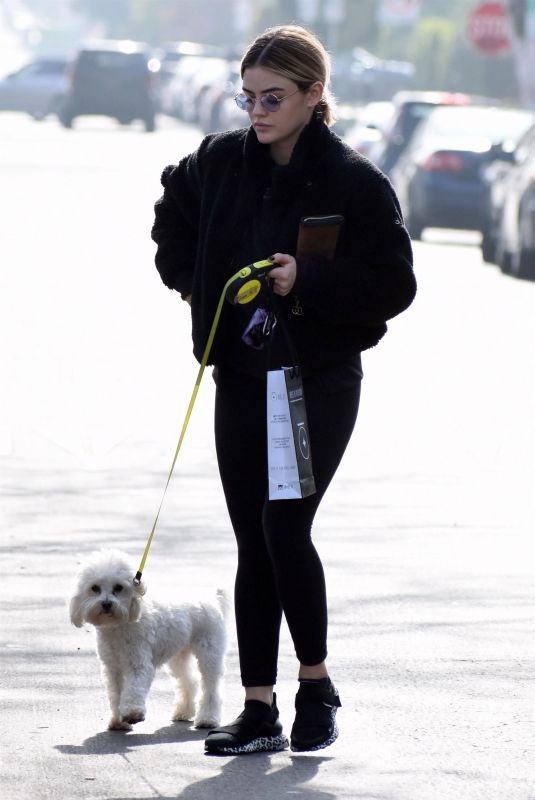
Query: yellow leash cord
246	280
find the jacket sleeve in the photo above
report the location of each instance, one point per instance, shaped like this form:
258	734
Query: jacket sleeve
370	279
176	224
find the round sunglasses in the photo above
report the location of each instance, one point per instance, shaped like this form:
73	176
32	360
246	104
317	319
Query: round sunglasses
269	102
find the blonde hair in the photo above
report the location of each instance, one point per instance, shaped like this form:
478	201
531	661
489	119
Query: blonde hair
296	54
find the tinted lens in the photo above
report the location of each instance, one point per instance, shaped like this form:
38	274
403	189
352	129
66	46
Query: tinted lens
270	102
243	102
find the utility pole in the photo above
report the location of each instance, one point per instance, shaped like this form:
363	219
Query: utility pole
522	22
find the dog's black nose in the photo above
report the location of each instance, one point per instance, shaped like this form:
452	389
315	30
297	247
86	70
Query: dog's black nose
106	605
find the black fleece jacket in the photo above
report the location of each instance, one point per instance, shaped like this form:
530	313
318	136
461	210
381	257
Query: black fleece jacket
206	210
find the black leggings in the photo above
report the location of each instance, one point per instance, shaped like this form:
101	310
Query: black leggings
279	569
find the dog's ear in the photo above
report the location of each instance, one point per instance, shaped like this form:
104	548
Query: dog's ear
135	608
75	610
136	601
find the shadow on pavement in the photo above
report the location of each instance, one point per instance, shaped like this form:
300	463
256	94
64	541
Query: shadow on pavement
255	773
116	743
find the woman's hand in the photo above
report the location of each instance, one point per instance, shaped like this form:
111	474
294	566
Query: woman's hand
283	276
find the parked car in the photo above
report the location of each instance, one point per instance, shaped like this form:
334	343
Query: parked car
209	72
171	96
515	242
346	118
439	177
410	108
497	179
371	123
360	77
38	88
115	79
212	98
171	53
232	117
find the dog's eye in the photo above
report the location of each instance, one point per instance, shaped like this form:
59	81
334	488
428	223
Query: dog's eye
95	589
117	589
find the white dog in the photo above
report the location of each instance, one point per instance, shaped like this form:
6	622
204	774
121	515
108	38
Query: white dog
136	636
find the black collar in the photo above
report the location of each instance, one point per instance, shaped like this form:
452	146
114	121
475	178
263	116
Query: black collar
305	155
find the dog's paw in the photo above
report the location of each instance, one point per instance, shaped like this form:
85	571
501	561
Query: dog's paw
118	725
183	712
206	722
134	716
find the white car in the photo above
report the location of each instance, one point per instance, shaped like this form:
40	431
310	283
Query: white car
37	88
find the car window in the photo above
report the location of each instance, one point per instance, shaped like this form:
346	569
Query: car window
525	146
37	68
55	68
492	123
110	60
412	114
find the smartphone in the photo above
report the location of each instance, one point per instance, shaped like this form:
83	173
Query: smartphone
319	235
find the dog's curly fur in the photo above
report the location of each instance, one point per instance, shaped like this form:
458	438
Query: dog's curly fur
135	636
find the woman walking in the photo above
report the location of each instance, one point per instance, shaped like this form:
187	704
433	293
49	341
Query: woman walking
238	198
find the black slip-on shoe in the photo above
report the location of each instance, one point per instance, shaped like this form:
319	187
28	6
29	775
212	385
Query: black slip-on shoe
257	729
314	726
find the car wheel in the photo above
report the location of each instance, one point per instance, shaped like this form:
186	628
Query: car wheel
414	225
150	124
54	106
66	117
523	264
504	258
488	248
215	118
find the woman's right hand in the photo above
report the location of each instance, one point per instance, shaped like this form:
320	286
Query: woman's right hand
284	273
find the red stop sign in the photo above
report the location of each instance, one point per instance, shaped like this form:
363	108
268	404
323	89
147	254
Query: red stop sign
488	29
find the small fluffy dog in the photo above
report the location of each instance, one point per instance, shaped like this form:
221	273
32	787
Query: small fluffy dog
136	636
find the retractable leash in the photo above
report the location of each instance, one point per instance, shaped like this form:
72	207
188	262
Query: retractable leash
241	288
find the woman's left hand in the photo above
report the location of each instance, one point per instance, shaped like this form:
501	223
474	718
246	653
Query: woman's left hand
283	276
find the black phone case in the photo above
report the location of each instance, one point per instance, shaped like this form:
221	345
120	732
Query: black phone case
319	235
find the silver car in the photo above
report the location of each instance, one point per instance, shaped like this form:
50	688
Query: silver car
37	88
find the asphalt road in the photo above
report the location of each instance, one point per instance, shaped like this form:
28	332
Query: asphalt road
426	534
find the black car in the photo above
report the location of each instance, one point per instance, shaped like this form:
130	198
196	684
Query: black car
114	79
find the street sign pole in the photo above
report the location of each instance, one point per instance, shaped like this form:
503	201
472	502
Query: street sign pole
530	19
334	13
308	10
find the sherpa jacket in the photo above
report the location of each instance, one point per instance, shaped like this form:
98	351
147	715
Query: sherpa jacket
206	209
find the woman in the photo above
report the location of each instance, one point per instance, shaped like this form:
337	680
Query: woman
237	199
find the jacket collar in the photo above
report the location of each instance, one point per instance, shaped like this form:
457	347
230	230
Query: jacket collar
305	155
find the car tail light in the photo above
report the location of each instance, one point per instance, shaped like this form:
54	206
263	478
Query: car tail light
443	162
456	99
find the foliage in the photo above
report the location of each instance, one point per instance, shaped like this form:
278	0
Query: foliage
358	30
446	60
161	20
430	48
114	16
436	44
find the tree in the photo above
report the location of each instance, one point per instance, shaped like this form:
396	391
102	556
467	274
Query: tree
114	16
430	48
161	20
